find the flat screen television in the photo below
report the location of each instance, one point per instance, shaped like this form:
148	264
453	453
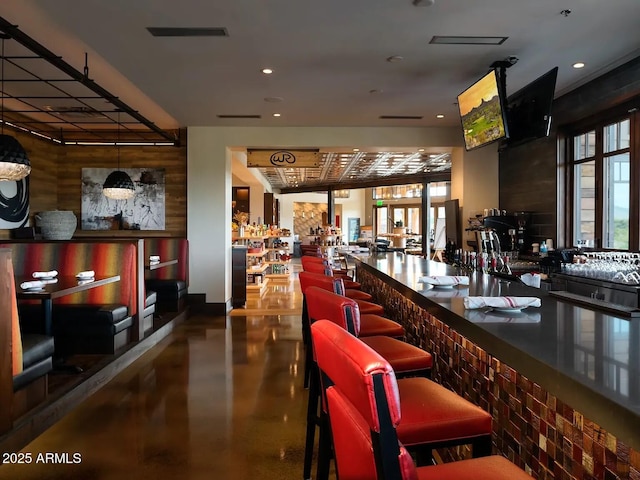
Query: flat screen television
529	109
482	112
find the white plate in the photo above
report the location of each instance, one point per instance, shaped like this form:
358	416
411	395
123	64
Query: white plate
84	277
507	309
46	278
443	286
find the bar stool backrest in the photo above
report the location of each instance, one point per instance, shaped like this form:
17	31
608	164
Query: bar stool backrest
318	268
368	382
342	311
330	284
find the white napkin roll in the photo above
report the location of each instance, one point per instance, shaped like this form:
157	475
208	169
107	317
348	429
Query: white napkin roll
444	280
154	258
86	274
85	281
33	284
49	281
501	302
49	274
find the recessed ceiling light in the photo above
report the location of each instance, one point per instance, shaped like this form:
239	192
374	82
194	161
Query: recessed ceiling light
439	115
356	149
395	58
421	149
267	71
578	65
276	114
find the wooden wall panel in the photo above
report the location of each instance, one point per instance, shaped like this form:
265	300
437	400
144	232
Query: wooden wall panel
55	180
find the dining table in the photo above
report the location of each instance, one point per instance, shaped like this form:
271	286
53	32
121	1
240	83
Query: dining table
60	286
156	265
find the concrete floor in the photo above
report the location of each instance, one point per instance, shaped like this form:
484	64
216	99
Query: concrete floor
207	402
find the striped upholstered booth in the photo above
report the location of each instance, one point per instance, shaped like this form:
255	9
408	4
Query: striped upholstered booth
171	283
93	321
31	354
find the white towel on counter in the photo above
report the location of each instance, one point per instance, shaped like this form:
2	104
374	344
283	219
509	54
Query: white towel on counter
31	285
49	274
501	302
444	280
86	274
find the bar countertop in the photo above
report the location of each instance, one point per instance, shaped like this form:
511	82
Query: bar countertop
587	358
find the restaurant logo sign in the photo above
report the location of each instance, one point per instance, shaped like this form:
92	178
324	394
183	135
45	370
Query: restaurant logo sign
282	158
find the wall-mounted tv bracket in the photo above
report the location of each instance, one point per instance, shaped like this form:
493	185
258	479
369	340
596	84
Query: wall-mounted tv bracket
501	67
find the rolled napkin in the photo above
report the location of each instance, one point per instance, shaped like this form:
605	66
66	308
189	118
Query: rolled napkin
154	258
86	274
49	281
85	281
444	280
49	274
31	285
501	302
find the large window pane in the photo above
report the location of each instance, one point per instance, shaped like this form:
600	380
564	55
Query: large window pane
585	202
616	136
413	219
616	201
584	146
398	216
381	220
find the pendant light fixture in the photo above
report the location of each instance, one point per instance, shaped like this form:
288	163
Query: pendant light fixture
118	184
14	163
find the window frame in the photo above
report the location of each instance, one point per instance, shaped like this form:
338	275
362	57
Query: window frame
598	123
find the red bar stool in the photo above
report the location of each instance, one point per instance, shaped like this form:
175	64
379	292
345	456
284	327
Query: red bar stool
405	359
312	265
432	416
355	430
348	292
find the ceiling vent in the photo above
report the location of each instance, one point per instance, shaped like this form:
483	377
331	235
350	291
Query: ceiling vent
239	116
464	40
75	112
400	117
188	31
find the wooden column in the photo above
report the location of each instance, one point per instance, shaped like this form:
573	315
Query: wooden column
6	369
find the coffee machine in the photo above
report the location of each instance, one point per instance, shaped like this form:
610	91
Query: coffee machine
522	232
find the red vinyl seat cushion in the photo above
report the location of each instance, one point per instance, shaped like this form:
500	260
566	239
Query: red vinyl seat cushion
402	356
357	294
369	307
371	324
432	413
493	467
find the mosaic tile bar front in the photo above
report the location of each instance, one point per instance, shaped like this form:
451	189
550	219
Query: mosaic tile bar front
531	427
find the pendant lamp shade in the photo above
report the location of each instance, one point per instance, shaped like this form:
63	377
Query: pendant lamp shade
14	163
118	186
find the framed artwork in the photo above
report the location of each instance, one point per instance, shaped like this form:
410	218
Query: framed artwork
14	203
145	211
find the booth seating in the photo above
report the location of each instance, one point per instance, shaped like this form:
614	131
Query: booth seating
171	283
365	406
424	414
406	360
98	320
31	354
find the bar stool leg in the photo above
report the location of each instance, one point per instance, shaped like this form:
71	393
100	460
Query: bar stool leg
312	420
325	448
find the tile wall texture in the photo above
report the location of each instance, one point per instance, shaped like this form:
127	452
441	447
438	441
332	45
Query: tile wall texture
531	427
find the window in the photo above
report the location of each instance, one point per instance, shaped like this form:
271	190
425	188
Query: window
602	172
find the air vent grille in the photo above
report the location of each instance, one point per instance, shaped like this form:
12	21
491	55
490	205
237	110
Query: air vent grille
239	116
400	117
188	31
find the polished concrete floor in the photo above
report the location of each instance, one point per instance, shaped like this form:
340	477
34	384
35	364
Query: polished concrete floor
219	398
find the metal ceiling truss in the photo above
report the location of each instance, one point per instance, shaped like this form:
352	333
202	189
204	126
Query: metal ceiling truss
88	113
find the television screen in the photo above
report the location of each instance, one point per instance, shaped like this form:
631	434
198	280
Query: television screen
482	112
529	109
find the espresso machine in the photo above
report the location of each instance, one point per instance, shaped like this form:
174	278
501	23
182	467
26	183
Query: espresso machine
504	229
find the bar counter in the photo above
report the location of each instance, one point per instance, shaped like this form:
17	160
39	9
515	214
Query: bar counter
561	381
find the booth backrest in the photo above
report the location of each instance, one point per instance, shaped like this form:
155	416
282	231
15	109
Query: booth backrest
169	249
69	258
